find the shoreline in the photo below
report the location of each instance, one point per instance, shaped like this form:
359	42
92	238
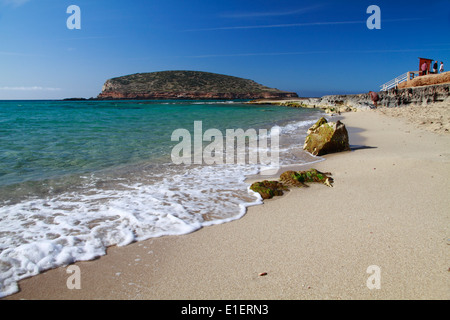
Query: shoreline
156	204
314	243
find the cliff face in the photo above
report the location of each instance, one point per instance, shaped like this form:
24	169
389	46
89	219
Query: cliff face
391	98
419	96
117	95
431	79
187	85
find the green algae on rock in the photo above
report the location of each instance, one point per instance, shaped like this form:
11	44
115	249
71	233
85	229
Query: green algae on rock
319	123
269	189
299	178
327	137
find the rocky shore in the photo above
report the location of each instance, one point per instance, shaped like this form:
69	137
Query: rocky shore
118	95
393	98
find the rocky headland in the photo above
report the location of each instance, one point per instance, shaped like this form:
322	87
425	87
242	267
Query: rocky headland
422	95
187	85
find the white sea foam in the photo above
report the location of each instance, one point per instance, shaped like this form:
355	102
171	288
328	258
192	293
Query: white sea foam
216	102
45	233
40	234
295	126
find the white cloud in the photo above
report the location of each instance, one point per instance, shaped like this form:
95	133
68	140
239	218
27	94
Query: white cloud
296	25
311	52
17	54
14	3
290	25
240	15
34	88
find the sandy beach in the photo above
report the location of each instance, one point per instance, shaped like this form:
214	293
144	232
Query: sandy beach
389	208
434	117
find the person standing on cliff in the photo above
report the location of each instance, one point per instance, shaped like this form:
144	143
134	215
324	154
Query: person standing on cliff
374	96
435	67
424	68
441	68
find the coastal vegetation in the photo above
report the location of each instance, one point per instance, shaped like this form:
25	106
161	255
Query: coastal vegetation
187	85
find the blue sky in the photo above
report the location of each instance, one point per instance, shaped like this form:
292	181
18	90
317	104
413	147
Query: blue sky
310	47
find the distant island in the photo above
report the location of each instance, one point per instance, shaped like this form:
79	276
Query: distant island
187	85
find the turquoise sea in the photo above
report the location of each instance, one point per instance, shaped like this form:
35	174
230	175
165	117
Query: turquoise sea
79	176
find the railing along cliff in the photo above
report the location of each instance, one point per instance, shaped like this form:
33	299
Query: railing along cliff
402	78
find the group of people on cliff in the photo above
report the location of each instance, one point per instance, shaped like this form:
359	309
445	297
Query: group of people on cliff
425	71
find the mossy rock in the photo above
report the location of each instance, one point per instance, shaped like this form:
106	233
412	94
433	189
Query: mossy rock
292	179
269	189
295	104
327	137
300	178
319	123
